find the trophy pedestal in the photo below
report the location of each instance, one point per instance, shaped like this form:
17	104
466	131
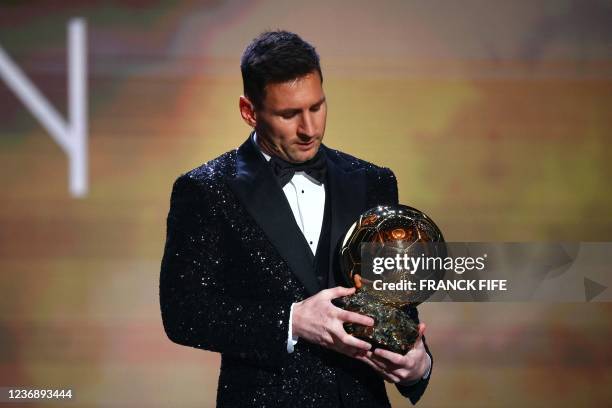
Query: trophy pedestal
394	329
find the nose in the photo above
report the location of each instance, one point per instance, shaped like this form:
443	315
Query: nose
307	127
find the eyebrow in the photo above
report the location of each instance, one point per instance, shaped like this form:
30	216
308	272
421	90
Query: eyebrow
292	110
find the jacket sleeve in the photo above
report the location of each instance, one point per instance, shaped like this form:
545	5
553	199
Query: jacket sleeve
415	391
196	309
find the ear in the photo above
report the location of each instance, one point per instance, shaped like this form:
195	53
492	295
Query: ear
247	111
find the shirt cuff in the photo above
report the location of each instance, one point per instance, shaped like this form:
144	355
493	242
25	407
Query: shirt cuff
428	371
291	339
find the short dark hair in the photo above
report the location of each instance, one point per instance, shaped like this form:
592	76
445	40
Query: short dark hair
275	57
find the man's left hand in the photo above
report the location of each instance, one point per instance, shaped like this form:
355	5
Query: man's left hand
400	369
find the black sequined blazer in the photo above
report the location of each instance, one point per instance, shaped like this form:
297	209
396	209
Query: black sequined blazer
234	262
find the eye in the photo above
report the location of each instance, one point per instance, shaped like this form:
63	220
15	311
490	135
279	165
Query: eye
288	115
315	108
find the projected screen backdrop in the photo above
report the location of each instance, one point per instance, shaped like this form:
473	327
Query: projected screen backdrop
495	116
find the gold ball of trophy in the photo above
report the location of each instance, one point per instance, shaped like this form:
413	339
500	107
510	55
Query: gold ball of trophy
384	292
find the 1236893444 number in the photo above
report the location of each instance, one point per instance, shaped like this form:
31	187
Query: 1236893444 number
12	394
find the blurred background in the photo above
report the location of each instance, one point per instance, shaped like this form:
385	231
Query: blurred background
496	117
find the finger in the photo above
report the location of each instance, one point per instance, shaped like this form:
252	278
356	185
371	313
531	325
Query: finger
337	292
343	339
400	372
349	351
369	362
418	344
352	341
383	363
387	376
422	328
392	378
357	280
392	357
352	317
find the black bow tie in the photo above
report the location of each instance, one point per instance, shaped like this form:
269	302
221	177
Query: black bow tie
284	170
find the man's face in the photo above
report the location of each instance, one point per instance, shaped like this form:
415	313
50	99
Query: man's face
291	121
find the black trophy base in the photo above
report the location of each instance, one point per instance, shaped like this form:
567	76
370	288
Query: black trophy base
394	329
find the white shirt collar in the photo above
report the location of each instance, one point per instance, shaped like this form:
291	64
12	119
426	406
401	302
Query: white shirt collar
265	155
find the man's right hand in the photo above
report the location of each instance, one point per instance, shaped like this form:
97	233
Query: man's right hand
318	321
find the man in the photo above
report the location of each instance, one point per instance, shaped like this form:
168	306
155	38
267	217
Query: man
249	268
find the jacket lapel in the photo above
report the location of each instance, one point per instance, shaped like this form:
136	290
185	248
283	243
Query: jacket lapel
348	200
261	195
